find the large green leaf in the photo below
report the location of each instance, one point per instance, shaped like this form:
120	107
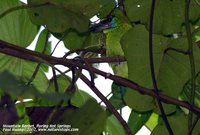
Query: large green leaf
18	89
135	46
118	92
120	69
79	98
137	120
24	70
169	15
113	127
107	7
169	108
63	83
16	27
87	8
74	40
172	69
152	122
90	119
138	10
137	101
56	17
178	123
59	15
176	67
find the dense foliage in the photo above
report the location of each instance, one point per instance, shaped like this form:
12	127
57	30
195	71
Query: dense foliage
123	37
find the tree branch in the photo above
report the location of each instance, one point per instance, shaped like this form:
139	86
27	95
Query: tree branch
25	54
117	59
110	107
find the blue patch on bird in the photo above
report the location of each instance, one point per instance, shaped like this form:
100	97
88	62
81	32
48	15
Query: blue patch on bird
109	22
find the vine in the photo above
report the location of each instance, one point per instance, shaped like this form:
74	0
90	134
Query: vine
153	70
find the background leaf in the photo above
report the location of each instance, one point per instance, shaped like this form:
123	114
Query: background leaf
20	90
169	15
113	127
63	84
178	123
171	68
107	7
152	122
86	119
57	18
80	97
74	40
24	70
117	97
16	27
137	120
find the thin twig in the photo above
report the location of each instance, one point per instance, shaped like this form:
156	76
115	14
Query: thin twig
110	107
58	43
197	2
196	30
120	111
75	76
176	50
68	70
122	7
39	64
106	97
153	69
34	74
19	52
191	58
55	81
193	125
